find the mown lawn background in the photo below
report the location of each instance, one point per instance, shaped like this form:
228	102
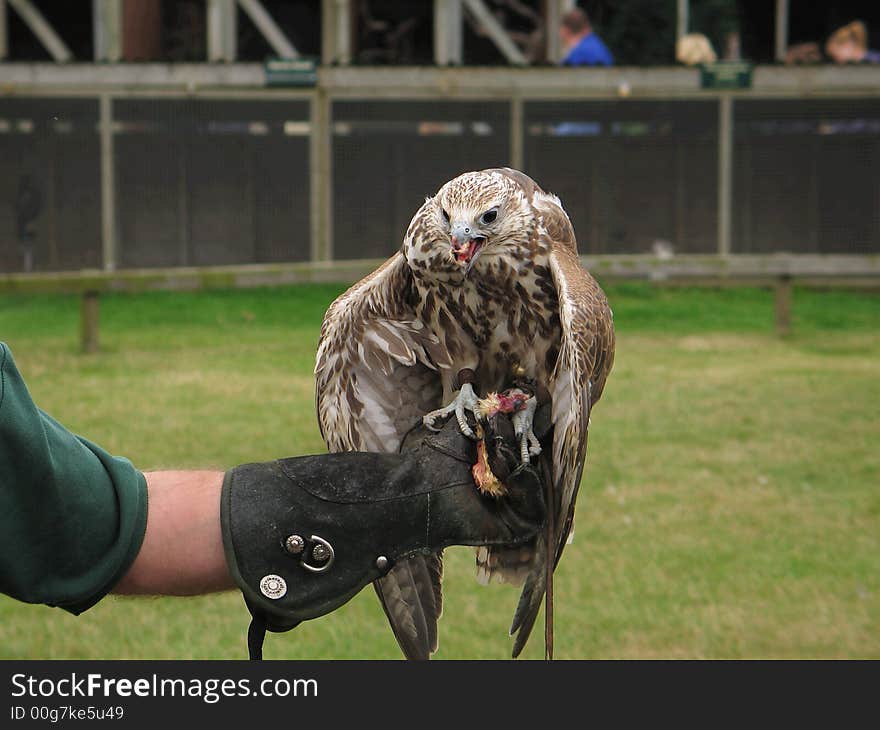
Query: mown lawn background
731	503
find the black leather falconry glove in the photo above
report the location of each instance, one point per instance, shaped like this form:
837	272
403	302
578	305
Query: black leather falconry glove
303	535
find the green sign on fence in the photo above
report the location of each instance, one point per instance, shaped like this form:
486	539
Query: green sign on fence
726	75
291	72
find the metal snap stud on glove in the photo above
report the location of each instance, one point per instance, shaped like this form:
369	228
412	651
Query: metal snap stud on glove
315	549
322	554
294	544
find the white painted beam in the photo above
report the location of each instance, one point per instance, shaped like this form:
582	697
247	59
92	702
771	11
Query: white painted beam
269	28
448	44
144	79
554	10
107	29
850	270
222	30
682	18
44	32
781	30
4	37
343	32
496	32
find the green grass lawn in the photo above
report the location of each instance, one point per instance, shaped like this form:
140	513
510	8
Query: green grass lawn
731	504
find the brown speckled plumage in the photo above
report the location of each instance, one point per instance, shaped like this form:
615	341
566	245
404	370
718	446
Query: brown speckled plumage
392	345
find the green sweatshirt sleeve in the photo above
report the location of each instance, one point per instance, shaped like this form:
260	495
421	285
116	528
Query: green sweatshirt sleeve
72	517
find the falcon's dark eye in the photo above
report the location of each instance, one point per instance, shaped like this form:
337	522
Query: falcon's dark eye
445	215
489	217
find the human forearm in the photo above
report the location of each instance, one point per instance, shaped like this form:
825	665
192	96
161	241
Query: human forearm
182	552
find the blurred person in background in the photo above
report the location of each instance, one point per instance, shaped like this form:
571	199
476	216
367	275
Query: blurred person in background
693	49
849	44
582	46
808	52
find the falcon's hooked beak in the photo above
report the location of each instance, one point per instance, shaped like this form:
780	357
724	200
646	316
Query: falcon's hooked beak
467	242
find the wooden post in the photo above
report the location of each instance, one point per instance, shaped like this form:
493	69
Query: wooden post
328	32
321	176
725	173
108	184
343	32
783	305
517	139
89	322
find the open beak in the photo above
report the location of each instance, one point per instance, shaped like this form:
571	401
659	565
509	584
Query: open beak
466	249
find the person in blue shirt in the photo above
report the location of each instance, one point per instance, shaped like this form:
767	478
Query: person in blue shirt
582	46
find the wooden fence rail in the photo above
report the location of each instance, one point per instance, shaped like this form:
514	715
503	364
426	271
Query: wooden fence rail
779	272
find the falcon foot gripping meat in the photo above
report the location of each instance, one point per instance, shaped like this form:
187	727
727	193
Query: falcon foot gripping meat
303	535
530	413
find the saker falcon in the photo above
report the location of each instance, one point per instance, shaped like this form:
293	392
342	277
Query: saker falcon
487	282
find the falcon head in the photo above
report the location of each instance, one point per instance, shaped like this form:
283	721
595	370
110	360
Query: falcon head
472	218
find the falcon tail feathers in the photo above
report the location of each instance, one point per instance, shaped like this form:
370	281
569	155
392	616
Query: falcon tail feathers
530	600
411	596
535	586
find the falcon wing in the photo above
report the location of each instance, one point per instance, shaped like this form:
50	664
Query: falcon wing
585	359
586	355
375	379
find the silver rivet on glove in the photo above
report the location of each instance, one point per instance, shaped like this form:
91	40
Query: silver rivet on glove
273	586
294	544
